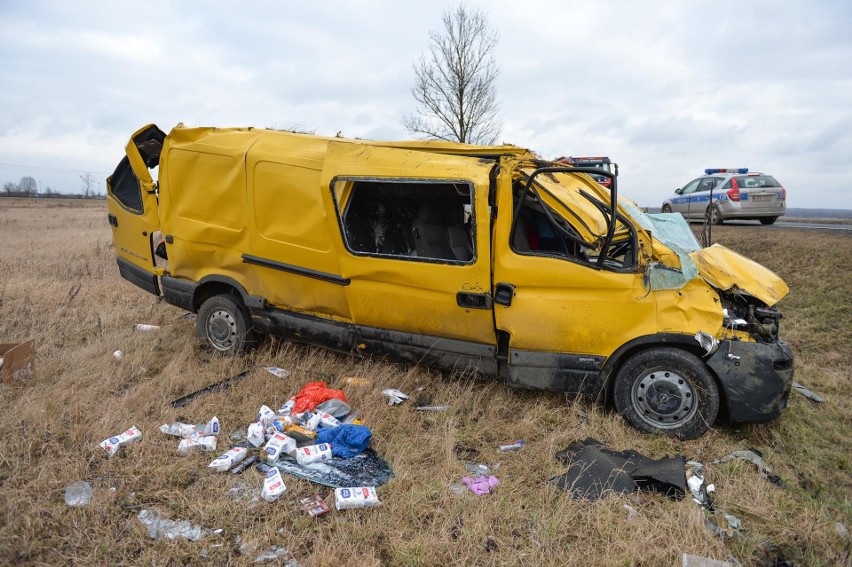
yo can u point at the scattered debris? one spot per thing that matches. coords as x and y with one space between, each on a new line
346 440
314 505
78 493
17 362
717 521
159 527
279 372
189 431
313 454
697 561
245 464
364 469
595 470
335 407
631 512
481 485
273 485
225 462
118 355
841 530
354 381
313 394
279 444
756 458
356 497
807 393
212 388
512 446
277 553
206 443
432 408
394 396
144 327
112 444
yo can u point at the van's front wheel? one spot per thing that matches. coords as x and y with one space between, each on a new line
224 324
669 391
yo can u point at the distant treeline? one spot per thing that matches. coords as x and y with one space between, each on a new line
25 195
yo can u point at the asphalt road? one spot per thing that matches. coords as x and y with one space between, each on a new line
845 228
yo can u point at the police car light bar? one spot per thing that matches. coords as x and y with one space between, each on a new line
726 170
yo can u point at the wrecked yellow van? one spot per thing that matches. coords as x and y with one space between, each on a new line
455 256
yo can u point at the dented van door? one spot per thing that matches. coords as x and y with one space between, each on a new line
132 206
414 252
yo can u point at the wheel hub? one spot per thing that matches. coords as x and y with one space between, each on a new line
221 329
664 398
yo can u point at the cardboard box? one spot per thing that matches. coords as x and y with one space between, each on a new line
17 362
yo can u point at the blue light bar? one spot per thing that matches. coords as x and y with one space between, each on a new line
726 170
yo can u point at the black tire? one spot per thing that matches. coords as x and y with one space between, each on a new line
768 220
714 215
666 209
224 325
667 390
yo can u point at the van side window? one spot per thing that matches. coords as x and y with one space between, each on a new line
410 219
124 186
535 234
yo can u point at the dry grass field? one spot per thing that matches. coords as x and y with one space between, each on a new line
59 285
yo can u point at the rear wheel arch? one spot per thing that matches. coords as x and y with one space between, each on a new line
210 286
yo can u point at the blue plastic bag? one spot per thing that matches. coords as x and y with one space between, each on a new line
346 440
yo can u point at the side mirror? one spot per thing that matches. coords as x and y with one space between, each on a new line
678 191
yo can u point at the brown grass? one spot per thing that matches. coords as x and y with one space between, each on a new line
59 285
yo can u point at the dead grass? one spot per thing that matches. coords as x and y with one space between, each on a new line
59 285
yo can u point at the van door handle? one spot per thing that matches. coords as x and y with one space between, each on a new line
473 300
503 294
112 219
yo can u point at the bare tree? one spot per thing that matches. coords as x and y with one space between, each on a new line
10 188
454 85
28 186
87 182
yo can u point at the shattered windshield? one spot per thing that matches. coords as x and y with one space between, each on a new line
673 232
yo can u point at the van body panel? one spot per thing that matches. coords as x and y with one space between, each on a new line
725 269
133 211
407 292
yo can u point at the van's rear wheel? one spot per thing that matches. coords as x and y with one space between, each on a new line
224 324
667 390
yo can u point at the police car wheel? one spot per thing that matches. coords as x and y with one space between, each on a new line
713 214
224 325
667 390
667 209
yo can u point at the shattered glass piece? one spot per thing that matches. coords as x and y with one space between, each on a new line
78 493
159 527
753 456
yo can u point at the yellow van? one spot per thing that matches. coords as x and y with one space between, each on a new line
451 255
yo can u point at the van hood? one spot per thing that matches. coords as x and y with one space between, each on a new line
726 270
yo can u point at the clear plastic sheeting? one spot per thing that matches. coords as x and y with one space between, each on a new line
159 527
78 493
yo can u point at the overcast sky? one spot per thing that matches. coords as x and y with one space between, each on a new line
664 87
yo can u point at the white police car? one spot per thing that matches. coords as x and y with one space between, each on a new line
726 194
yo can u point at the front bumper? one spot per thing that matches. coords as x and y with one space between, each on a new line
756 378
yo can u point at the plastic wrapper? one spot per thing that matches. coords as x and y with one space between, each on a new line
206 443
159 527
287 407
355 497
394 396
313 453
311 420
111 445
256 434
328 420
279 443
273 485
187 430
265 416
314 505
78 493
335 407
226 461
280 372
299 433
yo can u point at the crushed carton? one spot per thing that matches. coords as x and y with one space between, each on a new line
111 445
17 362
